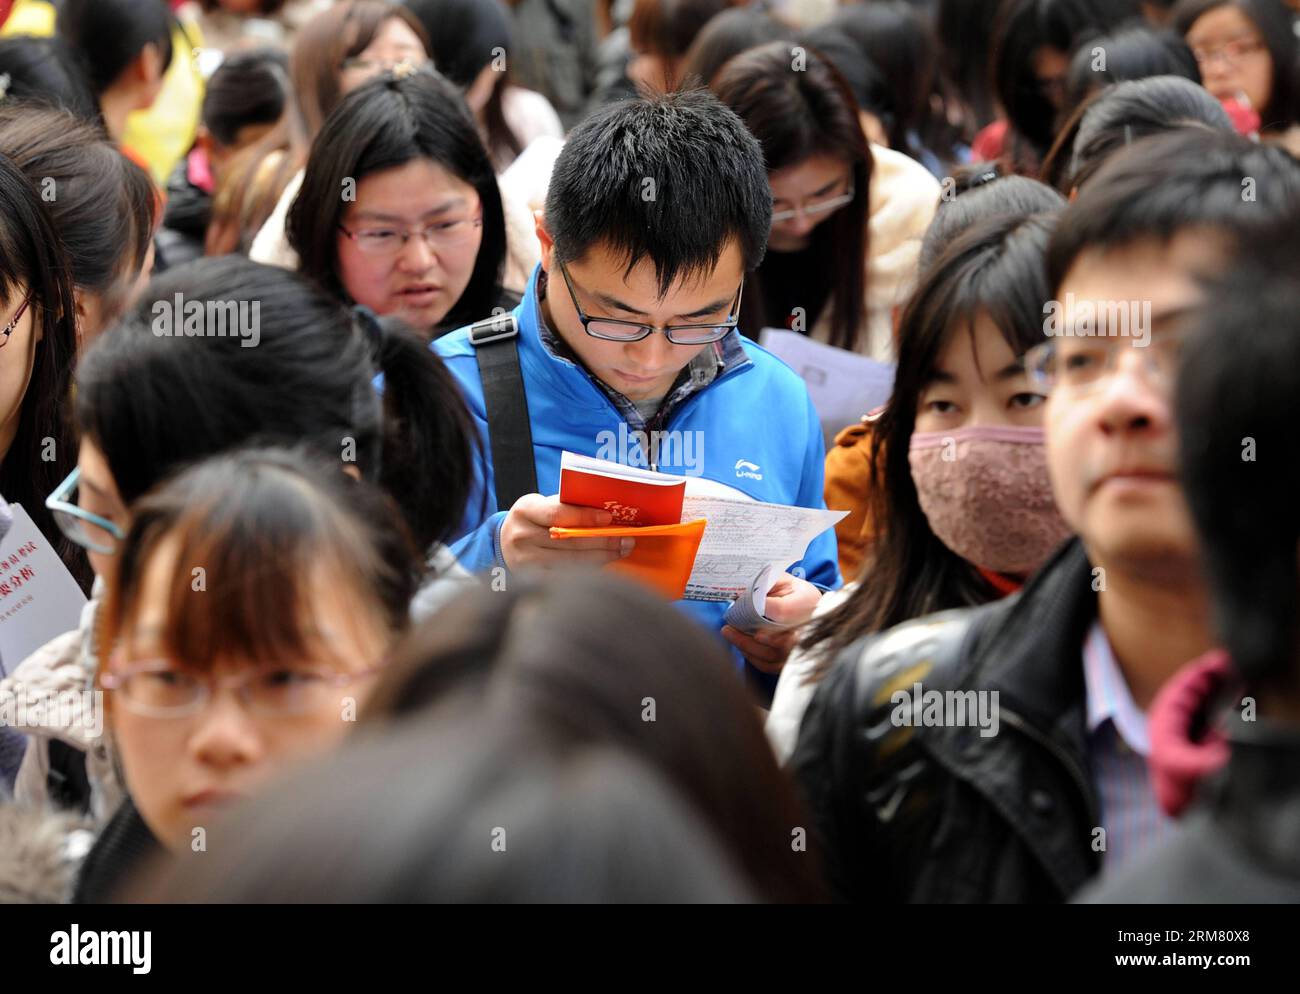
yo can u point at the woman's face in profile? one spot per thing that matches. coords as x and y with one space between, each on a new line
408 243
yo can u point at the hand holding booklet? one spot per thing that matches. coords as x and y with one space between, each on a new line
698 546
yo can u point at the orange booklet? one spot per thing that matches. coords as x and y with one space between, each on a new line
663 557
646 506
633 496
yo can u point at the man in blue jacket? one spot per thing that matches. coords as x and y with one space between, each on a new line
628 347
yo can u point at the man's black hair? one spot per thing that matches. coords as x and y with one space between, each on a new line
1166 184
1240 460
673 177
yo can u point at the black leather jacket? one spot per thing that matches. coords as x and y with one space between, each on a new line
946 814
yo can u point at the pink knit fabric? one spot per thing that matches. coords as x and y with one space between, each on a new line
987 496
1178 763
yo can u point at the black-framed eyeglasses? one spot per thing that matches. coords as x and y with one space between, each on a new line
9 328
614 330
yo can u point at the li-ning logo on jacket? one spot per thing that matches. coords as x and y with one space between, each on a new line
748 470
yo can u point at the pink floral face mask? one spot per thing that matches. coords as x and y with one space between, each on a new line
987 495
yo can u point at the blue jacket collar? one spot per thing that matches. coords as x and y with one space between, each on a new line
544 354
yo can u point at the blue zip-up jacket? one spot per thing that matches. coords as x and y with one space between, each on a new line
757 413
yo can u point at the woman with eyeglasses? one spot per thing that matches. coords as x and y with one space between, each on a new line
847 216
399 208
38 347
1249 59
255 600
958 491
148 404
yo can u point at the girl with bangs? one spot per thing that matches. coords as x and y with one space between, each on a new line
959 495
148 404
220 676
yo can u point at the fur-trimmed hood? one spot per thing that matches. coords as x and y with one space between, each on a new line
40 854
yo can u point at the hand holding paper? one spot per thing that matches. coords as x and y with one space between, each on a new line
709 548
786 604
526 535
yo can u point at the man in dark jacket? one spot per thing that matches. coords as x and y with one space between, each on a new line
914 798
1240 463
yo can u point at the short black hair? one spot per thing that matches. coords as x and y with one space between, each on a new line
1165 184
1118 115
1002 196
674 177
109 34
895 38
46 71
1134 51
1239 458
248 88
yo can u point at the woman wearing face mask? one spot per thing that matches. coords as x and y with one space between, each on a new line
305 583
418 232
960 495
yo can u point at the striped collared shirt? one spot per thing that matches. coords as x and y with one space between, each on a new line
1118 747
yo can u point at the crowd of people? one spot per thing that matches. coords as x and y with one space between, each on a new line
303 303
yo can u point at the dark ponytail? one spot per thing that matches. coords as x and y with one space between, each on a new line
425 421
154 402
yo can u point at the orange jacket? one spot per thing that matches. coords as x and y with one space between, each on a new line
847 486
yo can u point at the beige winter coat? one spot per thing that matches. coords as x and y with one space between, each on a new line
66 663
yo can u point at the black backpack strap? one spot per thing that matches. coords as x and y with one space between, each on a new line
510 434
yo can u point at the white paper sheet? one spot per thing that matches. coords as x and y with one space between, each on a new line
748 613
742 538
39 599
843 385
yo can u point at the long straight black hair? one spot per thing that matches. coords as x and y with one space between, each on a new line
1024 26
465 36
154 402
44 450
796 113
996 268
383 124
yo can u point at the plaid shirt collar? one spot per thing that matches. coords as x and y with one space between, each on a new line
712 362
